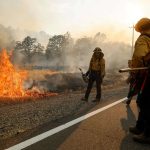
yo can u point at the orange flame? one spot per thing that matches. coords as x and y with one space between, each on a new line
11 79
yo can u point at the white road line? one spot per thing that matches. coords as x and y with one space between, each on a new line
61 127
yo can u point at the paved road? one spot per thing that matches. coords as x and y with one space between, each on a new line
107 130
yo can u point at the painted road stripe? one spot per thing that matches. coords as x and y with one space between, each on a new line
61 127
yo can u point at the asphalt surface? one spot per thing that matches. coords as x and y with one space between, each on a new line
107 130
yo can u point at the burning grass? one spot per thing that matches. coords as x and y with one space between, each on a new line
33 96
12 79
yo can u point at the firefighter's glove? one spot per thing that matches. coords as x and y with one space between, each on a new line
87 73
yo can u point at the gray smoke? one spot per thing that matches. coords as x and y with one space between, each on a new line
116 54
7 39
77 53
9 35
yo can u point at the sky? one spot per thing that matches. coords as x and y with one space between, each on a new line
79 17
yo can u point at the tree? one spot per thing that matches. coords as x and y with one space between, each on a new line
29 47
57 47
82 48
38 49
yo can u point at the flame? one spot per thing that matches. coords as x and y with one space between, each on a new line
11 79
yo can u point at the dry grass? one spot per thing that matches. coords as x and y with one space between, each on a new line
40 74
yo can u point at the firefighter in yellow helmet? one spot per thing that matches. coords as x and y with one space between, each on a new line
96 73
141 58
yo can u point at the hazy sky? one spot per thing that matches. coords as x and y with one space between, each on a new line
80 17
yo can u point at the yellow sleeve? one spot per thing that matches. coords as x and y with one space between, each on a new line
141 49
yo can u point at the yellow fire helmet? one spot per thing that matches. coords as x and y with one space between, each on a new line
142 25
97 49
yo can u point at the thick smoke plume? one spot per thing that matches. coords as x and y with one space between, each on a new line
76 53
73 54
7 39
10 35
116 53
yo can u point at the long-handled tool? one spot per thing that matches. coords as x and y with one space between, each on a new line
133 69
84 77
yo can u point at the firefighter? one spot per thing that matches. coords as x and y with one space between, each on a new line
96 72
142 48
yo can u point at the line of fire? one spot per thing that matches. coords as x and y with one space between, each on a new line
12 81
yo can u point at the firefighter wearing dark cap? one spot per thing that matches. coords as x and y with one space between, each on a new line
96 74
140 58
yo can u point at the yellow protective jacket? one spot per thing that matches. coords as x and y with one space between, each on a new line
97 64
142 48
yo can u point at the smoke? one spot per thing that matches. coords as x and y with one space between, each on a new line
6 38
77 52
10 35
116 54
